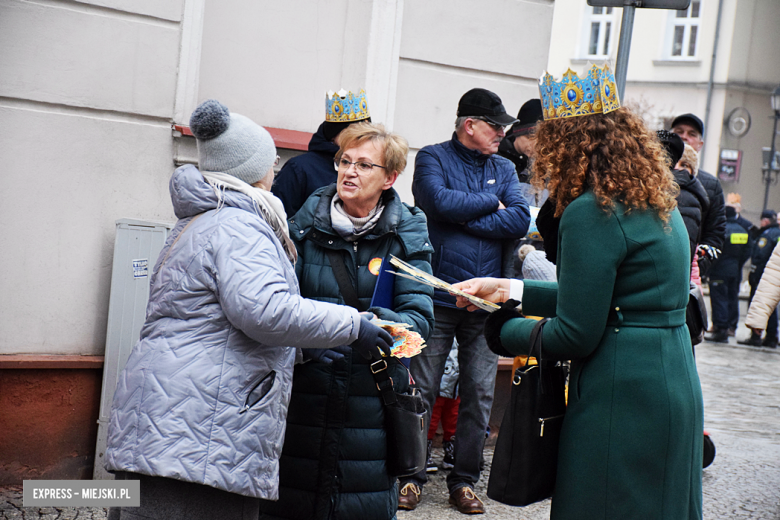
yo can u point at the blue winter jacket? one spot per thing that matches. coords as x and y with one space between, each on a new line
203 397
303 175
460 189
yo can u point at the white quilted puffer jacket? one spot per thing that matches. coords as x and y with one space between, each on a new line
204 395
767 294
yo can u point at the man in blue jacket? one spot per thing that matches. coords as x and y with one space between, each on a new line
304 174
474 205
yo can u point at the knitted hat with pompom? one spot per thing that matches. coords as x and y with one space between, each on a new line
231 143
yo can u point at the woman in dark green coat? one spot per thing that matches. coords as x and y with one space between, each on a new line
333 459
631 445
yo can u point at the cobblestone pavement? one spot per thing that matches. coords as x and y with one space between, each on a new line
741 388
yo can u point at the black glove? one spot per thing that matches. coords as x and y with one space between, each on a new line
369 338
707 255
709 251
495 321
322 355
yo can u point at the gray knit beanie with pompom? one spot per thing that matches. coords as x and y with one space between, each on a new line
231 143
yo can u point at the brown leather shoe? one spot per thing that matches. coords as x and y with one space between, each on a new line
409 496
467 501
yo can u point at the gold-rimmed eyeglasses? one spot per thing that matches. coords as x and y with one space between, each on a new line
361 166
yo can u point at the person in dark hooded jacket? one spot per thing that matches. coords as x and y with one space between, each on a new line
303 175
692 200
713 230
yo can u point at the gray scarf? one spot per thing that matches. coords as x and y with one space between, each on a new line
352 228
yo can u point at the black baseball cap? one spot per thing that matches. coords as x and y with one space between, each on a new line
479 102
768 213
527 118
689 119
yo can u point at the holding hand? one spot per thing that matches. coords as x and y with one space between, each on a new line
371 339
494 290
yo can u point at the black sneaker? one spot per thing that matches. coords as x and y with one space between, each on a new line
430 467
448 462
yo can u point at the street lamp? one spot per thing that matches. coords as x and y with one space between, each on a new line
772 166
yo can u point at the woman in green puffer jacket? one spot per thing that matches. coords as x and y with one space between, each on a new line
333 459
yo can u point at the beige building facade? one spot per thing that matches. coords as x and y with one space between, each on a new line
675 67
89 91
94 95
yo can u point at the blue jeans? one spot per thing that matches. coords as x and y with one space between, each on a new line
477 382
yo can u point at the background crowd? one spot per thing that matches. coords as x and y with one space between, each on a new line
251 392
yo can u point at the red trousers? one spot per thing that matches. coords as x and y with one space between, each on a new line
446 410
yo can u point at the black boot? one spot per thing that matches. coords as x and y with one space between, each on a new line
769 341
718 336
754 340
430 467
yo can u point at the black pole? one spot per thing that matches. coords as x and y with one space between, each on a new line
770 169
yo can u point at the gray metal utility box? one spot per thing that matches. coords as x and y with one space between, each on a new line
137 246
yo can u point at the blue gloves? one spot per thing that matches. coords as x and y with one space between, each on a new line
369 338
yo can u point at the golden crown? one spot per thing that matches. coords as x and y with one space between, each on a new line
573 96
346 107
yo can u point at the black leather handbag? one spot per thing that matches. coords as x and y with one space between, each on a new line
696 315
404 424
526 454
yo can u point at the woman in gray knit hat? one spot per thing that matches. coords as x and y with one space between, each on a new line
200 408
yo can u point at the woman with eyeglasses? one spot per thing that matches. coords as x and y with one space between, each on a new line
334 453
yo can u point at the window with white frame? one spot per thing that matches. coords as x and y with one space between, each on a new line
683 33
598 32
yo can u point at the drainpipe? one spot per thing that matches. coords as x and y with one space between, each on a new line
711 82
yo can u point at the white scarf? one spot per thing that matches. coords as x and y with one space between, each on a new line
267 206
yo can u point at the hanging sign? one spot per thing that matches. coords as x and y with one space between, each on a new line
728 165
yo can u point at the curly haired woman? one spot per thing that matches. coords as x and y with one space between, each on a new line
631 444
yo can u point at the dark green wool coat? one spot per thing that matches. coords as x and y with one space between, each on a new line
631 445
333 459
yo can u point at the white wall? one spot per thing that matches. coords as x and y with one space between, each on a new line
86 96
274 61
447 50
89 89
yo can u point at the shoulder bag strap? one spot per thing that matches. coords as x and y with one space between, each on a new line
384 383
342 278
536 347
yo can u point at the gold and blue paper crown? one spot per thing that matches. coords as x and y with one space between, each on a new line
573 96
346 107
